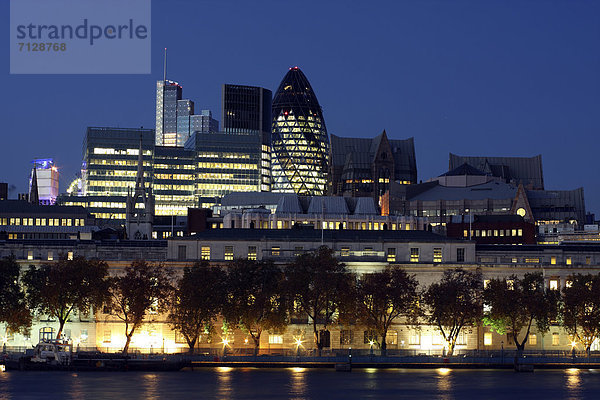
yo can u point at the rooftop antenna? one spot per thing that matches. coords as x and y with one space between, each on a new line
165 67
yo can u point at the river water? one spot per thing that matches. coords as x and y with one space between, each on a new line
300 383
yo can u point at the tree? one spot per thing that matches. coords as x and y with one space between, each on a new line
197 301
318 283
383 297
13 308
453 303
255 300
580 308
513 304
59 289
141 289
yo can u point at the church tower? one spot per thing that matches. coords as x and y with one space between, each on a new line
139 220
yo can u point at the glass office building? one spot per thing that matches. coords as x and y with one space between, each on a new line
168 94
246 110
299 141
173 177
110 158
225 163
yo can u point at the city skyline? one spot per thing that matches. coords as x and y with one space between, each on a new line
532 88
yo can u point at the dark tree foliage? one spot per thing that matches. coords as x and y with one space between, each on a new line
142 288
580 308
514 304
454 303
59 289
385 296
255 300
13 308
318 283
197 301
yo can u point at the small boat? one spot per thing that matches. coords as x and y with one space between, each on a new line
53 352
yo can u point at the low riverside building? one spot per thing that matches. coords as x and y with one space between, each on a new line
421 253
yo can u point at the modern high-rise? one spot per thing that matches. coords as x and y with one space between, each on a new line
168 94
110 160
246 110
175 117
299 141
225 163
173 178
47 180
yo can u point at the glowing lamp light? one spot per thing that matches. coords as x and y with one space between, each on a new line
2 368
443 371
298 342
225 342
573 344
371 343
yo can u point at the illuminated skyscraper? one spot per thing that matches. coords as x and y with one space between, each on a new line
299 141
168 93
47 180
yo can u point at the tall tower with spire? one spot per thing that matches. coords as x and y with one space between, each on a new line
139 220
34 195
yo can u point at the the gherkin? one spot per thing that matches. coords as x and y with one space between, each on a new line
300 145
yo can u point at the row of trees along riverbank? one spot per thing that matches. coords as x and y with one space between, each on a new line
255 296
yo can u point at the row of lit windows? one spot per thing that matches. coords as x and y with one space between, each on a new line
173 187
174 166
174 176
103 161
128 152
43 221
493 232
235 156
237 166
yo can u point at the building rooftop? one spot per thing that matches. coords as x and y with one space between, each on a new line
304 234
490 190
23 207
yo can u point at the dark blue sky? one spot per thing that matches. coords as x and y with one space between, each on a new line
498 78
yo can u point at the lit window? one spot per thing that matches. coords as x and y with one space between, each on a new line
569 261
345 251
519 232
228 253
50 256
69 255
205 255
298 251
487 339
465 233
532 339
30 255
555 339
486 282
588 260
414 254
391 254
275 250
553 260
107 336
275 339
414 338
553 284
437 254
251 252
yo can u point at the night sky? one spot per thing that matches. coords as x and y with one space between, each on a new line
495 78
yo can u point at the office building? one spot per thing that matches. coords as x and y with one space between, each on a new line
365 167
514 170
247 110
173 180
168 94
225 163
299 141
110 160
47 176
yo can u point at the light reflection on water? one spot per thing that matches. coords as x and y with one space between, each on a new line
573 383
298 383
444 383
303 384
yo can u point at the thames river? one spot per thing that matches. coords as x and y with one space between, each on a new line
300 383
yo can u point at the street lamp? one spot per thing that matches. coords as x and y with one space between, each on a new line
502 350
